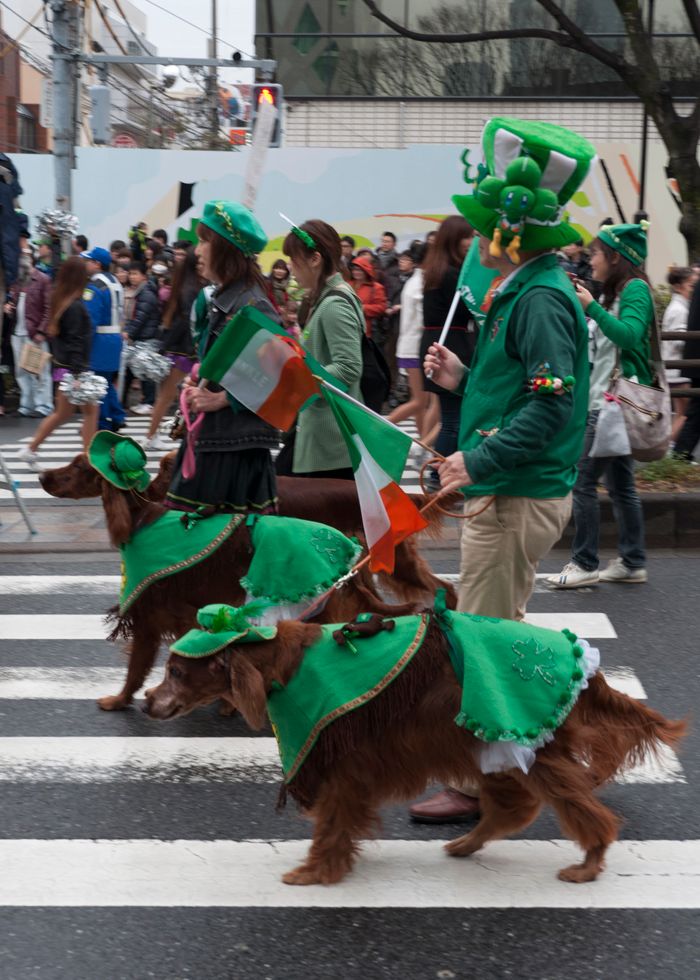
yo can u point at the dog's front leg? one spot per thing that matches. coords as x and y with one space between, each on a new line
339 822
142 656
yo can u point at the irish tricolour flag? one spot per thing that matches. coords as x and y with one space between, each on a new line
261 366
378 451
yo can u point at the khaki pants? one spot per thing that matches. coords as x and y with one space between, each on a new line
501 548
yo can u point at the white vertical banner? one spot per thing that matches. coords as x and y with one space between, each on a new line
262 134
46 107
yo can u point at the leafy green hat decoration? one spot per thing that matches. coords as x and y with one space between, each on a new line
222 625
300 233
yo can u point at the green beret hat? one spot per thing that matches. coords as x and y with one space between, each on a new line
221 626
531 169
236 224
629 240
120 460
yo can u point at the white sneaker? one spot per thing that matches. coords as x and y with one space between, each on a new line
142 409
617 571
27 455
158 444
572 576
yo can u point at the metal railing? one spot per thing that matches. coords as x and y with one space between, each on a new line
683 362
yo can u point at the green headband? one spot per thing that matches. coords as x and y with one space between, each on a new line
300 233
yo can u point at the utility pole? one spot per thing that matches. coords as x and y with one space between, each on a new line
214 83
63 75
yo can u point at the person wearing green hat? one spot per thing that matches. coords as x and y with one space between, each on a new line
525 394
620 327
233 467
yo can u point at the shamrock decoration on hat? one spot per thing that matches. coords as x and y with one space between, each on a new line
221 626
120 460
532 170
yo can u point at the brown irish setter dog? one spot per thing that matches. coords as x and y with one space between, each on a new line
393 746
168 608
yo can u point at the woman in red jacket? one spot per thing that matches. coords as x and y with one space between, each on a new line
371 293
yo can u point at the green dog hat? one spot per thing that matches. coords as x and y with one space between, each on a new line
222 625
531 170
236 224
629 240
120 460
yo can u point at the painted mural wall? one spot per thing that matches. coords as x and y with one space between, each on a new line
361 192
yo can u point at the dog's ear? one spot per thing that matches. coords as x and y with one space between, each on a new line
158 487
117 513
248 690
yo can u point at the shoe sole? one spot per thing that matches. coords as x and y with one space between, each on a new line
625 581
578 585
437 820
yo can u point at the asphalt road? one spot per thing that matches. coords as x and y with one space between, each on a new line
129 855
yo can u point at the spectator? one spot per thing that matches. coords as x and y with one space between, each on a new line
141 325
79 244
115 249
441 268
347 254
277 283
290 318
45 261
177 343
394 284
621 327
408 347
430 238
180 249
370 292
575 262
160 236
689 435
104 299
10 227
681 281
137 240
30 298
387 256
70 332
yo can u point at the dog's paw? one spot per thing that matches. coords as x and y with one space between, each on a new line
302 876
114 702
462 847
579 873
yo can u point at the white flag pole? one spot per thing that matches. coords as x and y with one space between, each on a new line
264 124
447 324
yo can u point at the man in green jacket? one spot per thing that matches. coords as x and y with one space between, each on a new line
525 396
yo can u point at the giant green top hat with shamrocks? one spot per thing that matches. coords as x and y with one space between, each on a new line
531 170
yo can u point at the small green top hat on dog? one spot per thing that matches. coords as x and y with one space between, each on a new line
120 460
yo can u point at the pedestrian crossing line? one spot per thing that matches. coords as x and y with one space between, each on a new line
59 584
648 874
87 626
95 759
90 683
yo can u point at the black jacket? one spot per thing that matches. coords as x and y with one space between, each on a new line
461 337
71 348
10 221
234 428
692 347
177 338
145 321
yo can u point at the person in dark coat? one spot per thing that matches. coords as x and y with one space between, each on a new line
689 435
70 336
141 325
10 227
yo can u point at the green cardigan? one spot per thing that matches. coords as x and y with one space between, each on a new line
333 335
630 329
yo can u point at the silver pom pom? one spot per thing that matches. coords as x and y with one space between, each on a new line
145 361
58 224
83 389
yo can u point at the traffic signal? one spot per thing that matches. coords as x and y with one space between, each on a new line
272 94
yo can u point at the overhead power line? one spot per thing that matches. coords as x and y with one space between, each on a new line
202 30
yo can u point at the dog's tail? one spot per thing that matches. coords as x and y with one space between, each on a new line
618 731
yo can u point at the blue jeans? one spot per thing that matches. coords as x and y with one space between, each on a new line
618 472
450 410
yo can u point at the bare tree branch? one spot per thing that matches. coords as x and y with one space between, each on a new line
504 35
693 12
582 42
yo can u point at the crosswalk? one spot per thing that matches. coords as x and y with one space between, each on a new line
145 814
63 444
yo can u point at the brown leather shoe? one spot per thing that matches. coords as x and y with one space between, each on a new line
448 806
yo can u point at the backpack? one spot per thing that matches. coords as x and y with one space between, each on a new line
375 381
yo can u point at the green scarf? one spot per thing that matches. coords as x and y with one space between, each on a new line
296 560
174 542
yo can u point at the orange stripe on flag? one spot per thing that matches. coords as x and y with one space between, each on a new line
296 384
405 519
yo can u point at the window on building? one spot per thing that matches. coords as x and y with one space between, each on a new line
26 129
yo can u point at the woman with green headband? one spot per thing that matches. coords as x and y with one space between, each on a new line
233 469
620 328
333 335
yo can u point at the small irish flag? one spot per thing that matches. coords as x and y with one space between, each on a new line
261 366
378 451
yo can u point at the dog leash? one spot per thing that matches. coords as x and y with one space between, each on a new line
192 427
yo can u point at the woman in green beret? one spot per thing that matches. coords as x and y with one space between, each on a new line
234 472
333 335
620 328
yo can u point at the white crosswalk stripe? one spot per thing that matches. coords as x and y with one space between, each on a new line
391 873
